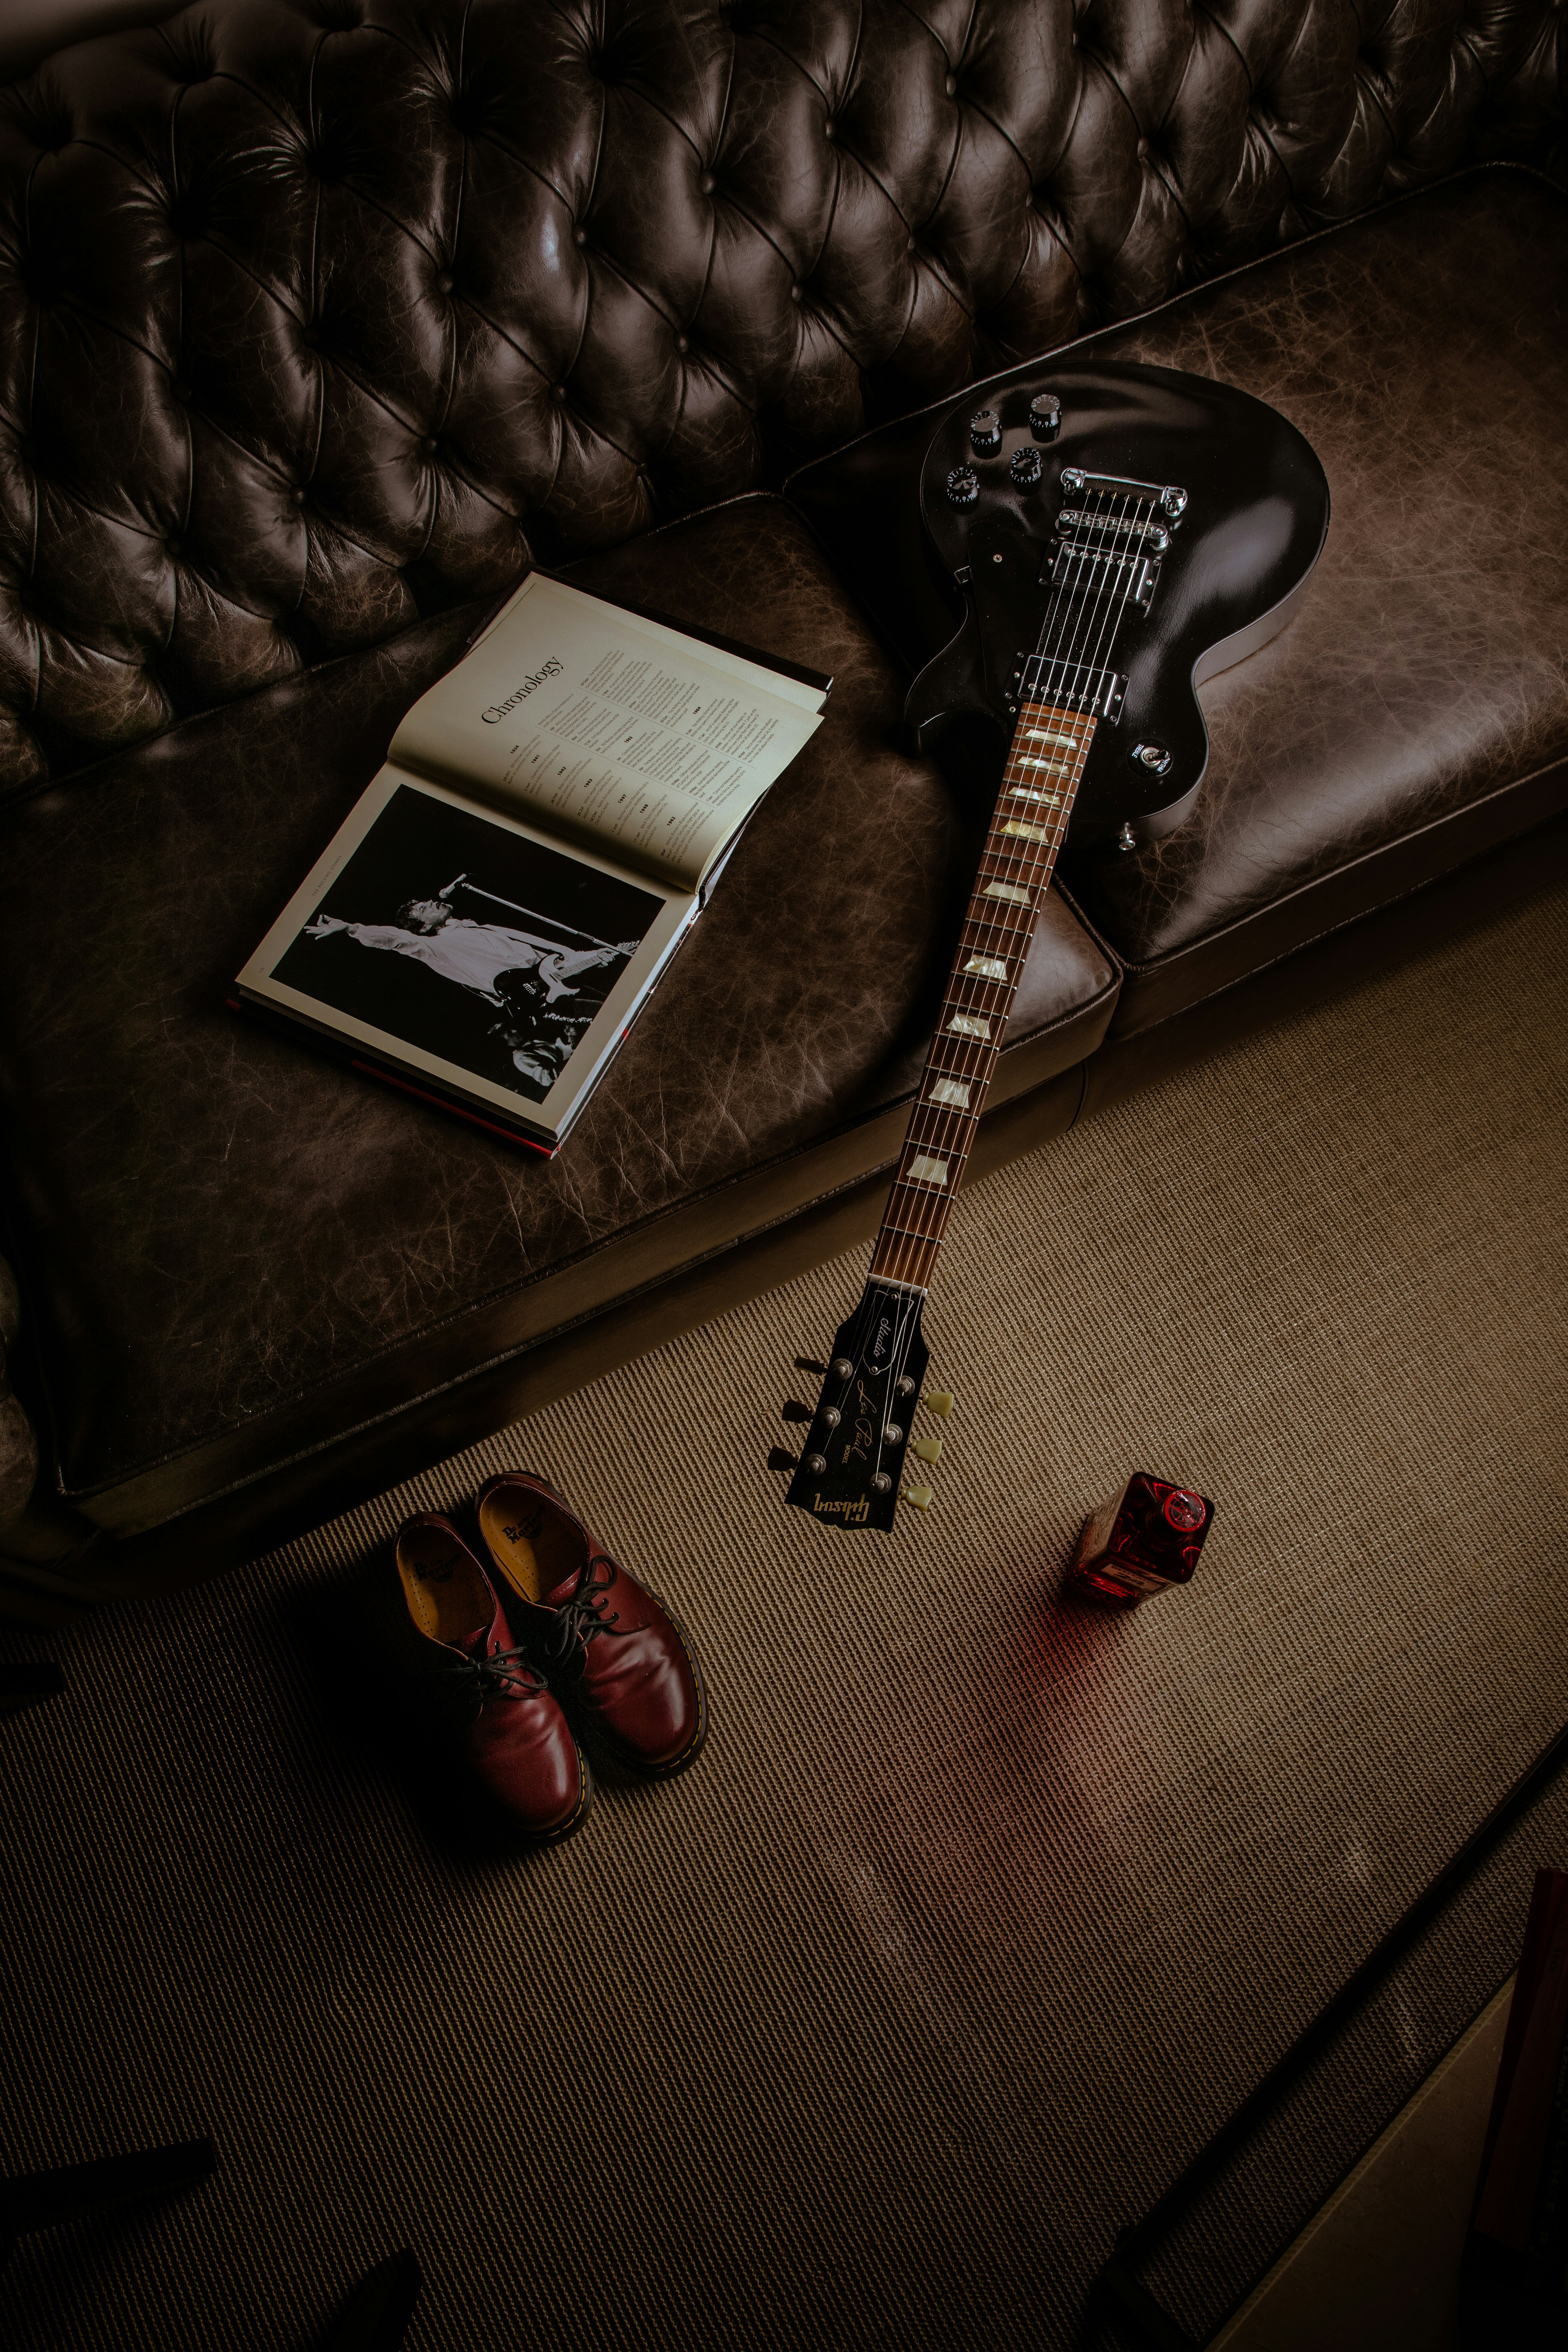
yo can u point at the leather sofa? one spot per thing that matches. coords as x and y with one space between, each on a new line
324 317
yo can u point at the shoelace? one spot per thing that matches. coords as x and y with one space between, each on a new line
579 1619
507 1673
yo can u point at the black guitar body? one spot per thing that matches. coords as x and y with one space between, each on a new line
1238 554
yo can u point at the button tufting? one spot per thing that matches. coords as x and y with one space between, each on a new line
174 547
182 392
707 183
681 344
444 283
298 495
557 391
797 293
1142 149
950 85
829 128
579 237
429 445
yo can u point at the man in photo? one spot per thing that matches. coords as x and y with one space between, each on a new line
536 983
476 955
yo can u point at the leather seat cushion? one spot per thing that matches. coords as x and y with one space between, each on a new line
1417 709
237 1252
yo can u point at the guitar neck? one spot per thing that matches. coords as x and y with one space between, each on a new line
1044 766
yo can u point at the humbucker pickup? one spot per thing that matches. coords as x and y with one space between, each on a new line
1086 571
1073 523
1070 686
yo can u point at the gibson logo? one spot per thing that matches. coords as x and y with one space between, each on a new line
852 1511
498 711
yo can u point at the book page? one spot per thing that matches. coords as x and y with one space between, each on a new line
610 730
464 946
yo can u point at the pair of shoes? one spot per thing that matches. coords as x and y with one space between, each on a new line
547 1610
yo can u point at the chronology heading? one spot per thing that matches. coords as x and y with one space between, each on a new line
498 711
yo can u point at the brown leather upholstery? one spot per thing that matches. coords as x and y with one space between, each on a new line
237 1252
318 315
1415 711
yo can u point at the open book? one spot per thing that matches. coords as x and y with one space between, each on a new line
489 919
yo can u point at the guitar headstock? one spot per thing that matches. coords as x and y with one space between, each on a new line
852 1462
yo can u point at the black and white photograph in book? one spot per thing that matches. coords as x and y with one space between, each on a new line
469 941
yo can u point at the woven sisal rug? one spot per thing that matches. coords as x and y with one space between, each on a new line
982 1911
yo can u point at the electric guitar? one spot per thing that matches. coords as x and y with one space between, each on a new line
1117 538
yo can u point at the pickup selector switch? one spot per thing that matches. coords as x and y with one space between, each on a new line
1026 466
1044 417
985 432
963 486
1154 757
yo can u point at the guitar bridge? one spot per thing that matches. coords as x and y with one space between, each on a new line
1069 685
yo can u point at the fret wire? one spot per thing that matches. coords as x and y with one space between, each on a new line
917 1214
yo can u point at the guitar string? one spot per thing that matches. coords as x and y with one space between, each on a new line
911 1243
1088 648
1090 638
1058 617
1074 633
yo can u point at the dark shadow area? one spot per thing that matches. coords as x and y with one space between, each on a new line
374 2315
27 1684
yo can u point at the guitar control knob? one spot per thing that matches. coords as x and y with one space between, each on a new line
1154 757
842 1367
963 486
985 432
814 1464
1026 466
1044 417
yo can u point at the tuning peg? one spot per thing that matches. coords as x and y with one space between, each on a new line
810 1364
781 1459
940 1401
927 1449
793 1411
919 1495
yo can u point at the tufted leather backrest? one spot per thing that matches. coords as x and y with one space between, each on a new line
318 314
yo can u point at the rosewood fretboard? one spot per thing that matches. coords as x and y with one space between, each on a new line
1044 766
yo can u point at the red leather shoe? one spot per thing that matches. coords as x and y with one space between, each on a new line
519 1741
585 1618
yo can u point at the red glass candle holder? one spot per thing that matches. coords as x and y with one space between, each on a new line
1146 1538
